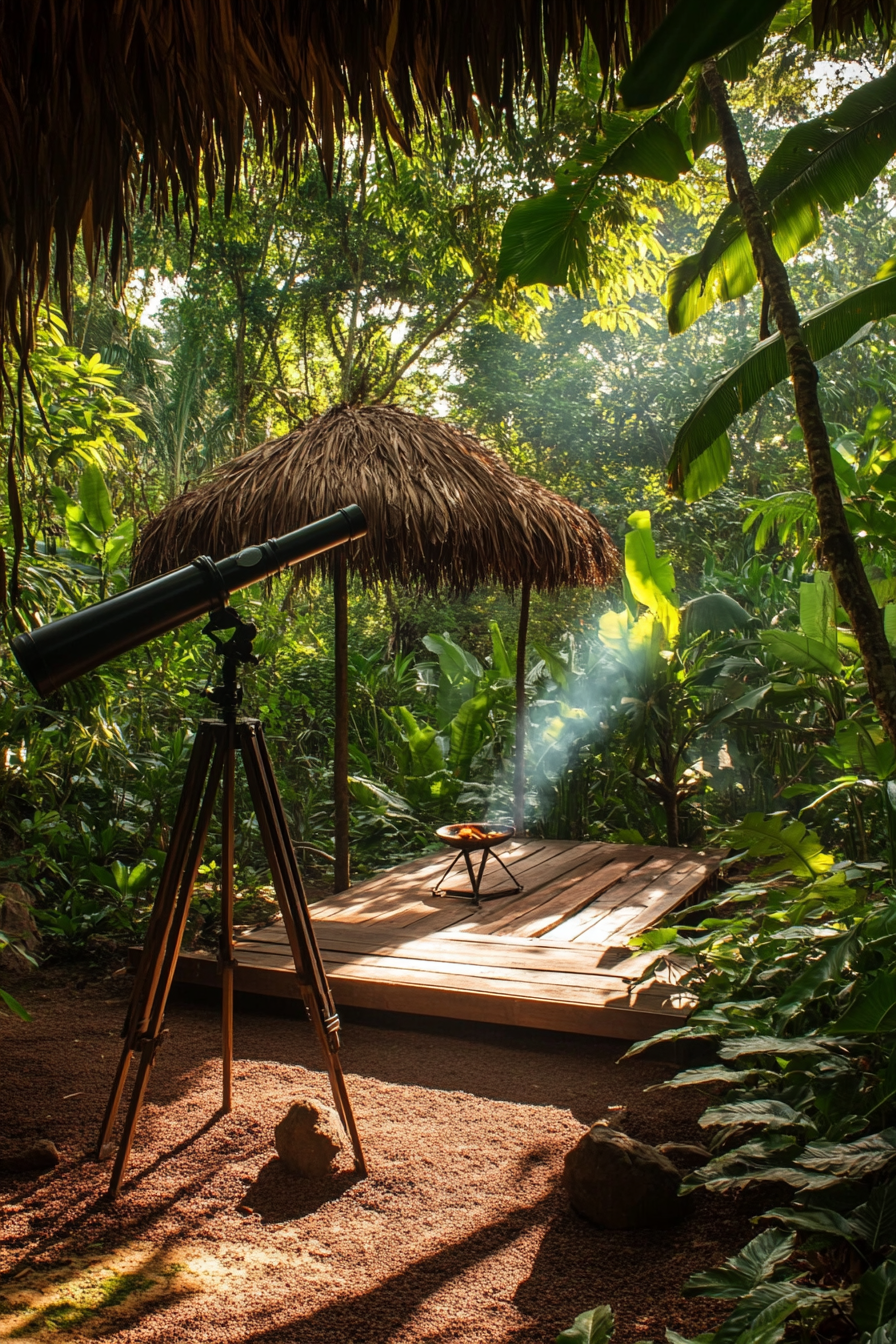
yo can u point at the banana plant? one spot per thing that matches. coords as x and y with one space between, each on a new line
661 656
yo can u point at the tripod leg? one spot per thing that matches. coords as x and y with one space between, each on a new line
225 953
153 1035
294 907
159 928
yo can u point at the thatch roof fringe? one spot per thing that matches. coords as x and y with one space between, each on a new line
442 508
106 105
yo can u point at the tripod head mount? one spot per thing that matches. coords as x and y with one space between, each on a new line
228 695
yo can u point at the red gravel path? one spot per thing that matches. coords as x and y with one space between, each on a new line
460 1232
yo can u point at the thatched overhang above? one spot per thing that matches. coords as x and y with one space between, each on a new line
103 106
442 508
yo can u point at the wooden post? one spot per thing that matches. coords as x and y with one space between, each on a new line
341 876
225 953
519 759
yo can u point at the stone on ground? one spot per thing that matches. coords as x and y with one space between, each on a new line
38 1157
308 1138
615 1181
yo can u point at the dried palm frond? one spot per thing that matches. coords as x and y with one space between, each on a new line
107 106
441 507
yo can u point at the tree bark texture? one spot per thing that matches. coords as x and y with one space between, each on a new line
342 875
837 543
519 754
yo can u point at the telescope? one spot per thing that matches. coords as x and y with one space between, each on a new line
57 653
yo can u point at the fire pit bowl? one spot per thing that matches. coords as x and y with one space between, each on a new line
468 838
488 836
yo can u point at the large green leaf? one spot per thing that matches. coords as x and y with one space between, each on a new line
500 657
815 1220
768 1112
546 240
872 1008
865 748
814 977
801 651
875 1302
825 330
650 576
423 744
468 732
787 842
592 1327
692 32
737 1047
755 1264
862 1157
829 161
712 614
818 609
95 500
875 1220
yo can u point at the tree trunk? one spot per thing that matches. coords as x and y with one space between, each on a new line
341 876
837 543
519 756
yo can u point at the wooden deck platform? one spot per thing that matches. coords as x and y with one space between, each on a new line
553 956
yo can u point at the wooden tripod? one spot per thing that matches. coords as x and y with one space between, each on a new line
212 760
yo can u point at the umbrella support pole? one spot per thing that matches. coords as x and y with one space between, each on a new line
212 760
476 896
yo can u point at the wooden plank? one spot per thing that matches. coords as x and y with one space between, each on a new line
522 954
358 904
526 867
644 910
619 1021
525 980
625 892
494 912
568 896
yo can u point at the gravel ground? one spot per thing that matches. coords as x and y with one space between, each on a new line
461 1231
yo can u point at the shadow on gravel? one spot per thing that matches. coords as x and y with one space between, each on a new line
376 1317
279 1197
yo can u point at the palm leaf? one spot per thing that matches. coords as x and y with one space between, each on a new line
546 240
829 160
824 330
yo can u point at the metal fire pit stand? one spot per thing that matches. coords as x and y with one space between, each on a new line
475 897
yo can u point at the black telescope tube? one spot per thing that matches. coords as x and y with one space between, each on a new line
65 649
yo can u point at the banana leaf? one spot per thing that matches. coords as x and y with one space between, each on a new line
829 161
704 433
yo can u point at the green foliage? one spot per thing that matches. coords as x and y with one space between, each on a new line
701 456
687 36
802 982
591 1327
829 160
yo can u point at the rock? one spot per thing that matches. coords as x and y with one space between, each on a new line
615 1181
685 1156
17 922
38 1157
308 1138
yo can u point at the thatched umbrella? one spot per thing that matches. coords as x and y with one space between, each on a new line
442 509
